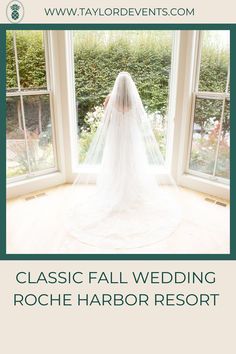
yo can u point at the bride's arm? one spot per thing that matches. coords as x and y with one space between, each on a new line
105 103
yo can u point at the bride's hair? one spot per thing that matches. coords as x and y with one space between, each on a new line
121 92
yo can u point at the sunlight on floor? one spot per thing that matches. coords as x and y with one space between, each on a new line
36 224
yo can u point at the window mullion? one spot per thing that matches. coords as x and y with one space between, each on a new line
198 61
196 71
16 61
212 95
228 80
21 103
28 93
219 138
46 54
51 89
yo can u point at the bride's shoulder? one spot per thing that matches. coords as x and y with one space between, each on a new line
106 100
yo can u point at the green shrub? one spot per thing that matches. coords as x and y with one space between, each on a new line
31 59
98 58
146 56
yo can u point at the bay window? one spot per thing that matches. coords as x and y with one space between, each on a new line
29 121
57 82
210 134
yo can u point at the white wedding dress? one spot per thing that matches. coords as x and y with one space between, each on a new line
129 206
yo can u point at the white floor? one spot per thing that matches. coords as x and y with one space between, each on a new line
37 225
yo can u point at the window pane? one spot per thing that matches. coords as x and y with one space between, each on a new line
223 161
39 132
17 163
205 134
31 59
214 61
98 58
11 80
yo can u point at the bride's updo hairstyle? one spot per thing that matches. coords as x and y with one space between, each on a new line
121 92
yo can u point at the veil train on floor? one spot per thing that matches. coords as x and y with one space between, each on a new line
123 196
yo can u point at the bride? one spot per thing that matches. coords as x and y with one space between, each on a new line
133 201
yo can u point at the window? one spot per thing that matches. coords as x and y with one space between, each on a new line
30 137
210 137
98 58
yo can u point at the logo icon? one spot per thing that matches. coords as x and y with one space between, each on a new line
15 11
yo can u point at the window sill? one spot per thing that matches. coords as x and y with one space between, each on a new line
23 187
203 185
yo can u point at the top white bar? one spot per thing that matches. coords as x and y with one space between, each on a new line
122 11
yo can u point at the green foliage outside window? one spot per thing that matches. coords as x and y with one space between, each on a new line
98 58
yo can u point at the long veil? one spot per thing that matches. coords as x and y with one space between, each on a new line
123 196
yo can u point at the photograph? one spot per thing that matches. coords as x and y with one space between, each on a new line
118 141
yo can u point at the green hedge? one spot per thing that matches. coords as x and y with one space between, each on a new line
146 55
98 58
97 65
31 60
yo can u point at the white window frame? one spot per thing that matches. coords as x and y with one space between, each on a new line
206 95
22 185
61 65
188 64
21 93
75 167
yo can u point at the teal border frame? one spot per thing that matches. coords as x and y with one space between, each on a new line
3 254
